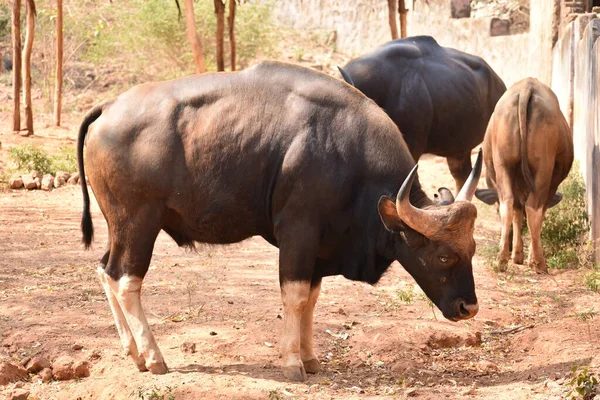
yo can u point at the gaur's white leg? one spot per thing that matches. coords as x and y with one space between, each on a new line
128 293
506 215
517 254
295 296
121 323
307 353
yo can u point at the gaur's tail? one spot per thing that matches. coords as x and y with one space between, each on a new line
87 227
524 99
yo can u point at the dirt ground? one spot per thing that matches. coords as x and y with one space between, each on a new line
226 301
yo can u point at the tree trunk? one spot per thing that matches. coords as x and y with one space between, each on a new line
403 12
59 63
16 41
392 9
195 41
230 23
220 11
27 66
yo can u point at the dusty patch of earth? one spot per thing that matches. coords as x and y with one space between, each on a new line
226 302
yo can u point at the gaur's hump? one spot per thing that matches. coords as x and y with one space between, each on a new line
412 47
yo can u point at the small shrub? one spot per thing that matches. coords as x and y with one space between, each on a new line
405 296
564 259
30 158
583 385
65 160
566 225
153 393
592 281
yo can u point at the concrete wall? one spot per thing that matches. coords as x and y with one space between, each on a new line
362 25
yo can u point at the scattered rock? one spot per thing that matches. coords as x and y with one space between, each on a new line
28 182
24 361
96 355
61 178
460 8
36 364
47 182
213 333
74 179
81 369
438 340
19 394
188 347
38 182
46 374
16 182
77 346
35 174
11 373
487 366
62 368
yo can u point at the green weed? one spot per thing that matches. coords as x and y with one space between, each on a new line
32 158
582 386
592 281
153 393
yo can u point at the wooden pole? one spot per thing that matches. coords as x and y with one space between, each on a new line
195 41
392 9
403 13
220 11
27 66
16 41
59 63
231 22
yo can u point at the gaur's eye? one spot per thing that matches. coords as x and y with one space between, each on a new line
443 259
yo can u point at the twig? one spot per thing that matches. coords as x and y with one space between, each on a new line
512 330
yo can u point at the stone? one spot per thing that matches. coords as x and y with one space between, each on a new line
46 374
35 174
19 394
47 182
38 182
28 182
61 178
499 27
73 179
96 355
81 369
36 364
77 346
445 339
11 373
16 182
188 347
487 366
62 368
460 8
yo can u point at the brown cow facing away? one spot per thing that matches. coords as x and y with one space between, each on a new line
528 152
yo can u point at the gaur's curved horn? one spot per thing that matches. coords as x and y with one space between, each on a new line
468 189
422 221
346 76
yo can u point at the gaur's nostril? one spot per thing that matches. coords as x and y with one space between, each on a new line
467 310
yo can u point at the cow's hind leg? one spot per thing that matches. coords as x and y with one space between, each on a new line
535 216
460 168
125 334
517 248
307 352
132 241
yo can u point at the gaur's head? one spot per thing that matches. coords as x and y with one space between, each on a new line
435 244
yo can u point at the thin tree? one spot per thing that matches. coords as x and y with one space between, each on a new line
220 12
195 41
27 66
16 41
392 10
59 63
230 25
403 11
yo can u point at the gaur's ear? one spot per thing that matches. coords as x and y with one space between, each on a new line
389 215
555 200
488 196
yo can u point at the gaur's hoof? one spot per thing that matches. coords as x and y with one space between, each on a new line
312 366
159 368
518 258
295 373
141 364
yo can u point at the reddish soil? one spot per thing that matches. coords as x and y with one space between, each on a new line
226 301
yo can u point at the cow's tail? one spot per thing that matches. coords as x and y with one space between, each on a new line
524 99
87 227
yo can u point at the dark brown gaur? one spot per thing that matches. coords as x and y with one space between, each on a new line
290 154
528 152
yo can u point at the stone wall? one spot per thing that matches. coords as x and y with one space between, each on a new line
362 25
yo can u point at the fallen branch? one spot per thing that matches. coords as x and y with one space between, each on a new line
512 330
